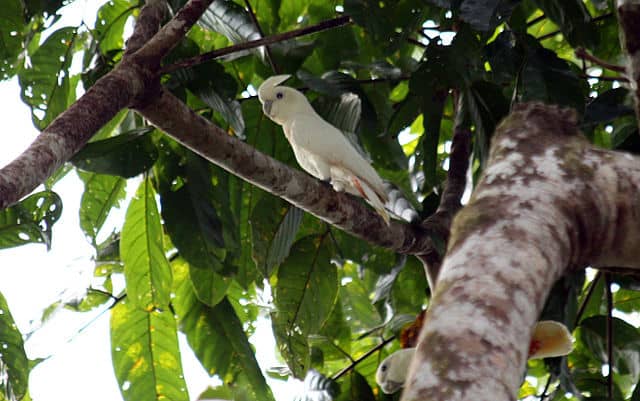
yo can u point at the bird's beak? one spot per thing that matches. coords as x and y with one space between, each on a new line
390 387
266 107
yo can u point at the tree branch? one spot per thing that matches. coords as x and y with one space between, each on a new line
130 82
329 24
267 51
439 223
173 31
584 55
147 25
629 18
548 201
340 209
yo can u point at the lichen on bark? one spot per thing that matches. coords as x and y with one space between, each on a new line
547 202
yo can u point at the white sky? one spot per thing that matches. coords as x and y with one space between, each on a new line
79 365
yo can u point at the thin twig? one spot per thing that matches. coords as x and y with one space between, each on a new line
536 20
548 35
324 25
607 288
270 59
416 42
362 358
583 54
586 299
546 388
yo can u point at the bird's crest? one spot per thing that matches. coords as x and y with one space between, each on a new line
271 82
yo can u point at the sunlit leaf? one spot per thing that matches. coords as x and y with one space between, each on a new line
14 365
146 357
146 269
31 220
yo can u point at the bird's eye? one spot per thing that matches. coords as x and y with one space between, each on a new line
279 95
383 368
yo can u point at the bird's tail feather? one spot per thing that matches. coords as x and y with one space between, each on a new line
372 197
550 339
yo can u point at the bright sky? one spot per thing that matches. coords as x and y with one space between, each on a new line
77 347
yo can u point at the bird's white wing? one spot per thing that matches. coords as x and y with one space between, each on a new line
326 142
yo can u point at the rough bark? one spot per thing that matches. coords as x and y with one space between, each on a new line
629 18
548 202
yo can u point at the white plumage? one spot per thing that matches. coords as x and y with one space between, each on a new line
320 148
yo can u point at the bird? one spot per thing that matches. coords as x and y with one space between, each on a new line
321 149
549 339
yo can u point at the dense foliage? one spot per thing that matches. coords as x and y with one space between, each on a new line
200 249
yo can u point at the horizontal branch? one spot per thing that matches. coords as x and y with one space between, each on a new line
280 37
318 198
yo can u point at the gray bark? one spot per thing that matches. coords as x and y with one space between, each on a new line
548 202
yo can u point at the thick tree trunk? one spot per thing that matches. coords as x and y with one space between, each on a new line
548 202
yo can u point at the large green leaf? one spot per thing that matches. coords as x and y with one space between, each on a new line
110 23
487 107
546 77
626 343
146 268
101 194
355 387
304 297
14 365
146 357
274 224
388 23
46 85
233 21
11 37
125 155
573 19
216 336
31 220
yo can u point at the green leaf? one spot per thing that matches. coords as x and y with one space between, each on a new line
233 21
11 37
304 297
15 366
125 155
101 194
45 83
626 343
146 357
355 387
110 22
547 78
31 220
388 23
194 228
212 84
608 106
487 106
146 270
573 19
274 224
216 336
480 14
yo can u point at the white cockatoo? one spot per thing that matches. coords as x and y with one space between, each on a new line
549 339
320 148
